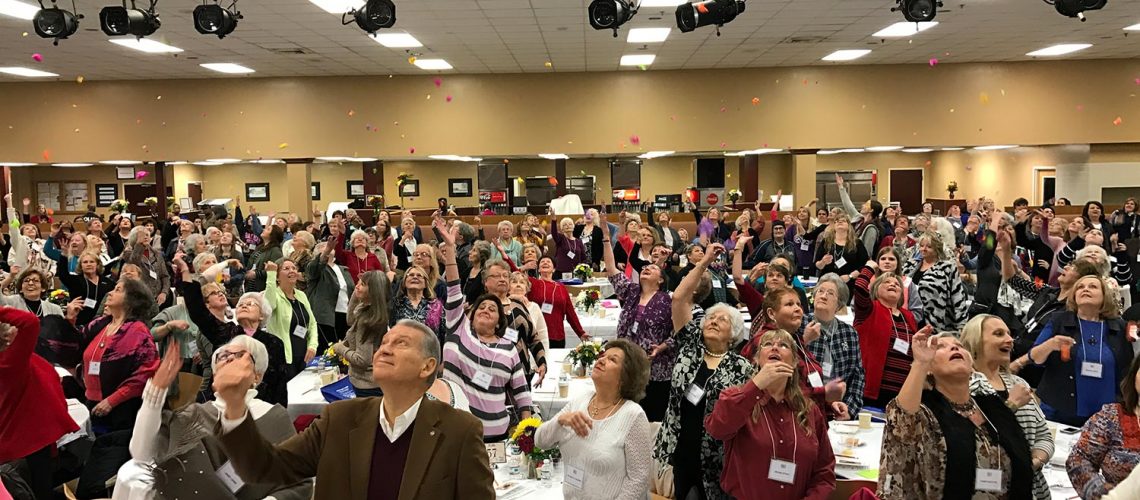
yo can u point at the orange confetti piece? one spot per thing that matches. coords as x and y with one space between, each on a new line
351 112
46 155
79 79
984 98
755 101
1118 121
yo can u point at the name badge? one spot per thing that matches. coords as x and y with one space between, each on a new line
570 254
482 379
805 246
300 331
230 477
988 480
511 335
695 394
716 284
814 379
826 366
633 329
547 308
1090 369
89 303
841 262
902 346
93 368
575 477
782 471
153 275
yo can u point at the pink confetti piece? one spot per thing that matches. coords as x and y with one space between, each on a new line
723 144
37 57
1080 107
635 140
437 81
448 98
1118 121
723 109
140 174
412 150
933 62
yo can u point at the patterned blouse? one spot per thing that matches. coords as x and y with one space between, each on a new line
1108 450
733 370
428 312
648 325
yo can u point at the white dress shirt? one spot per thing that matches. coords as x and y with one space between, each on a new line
394 431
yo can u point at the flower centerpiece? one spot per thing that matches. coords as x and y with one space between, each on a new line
331 358
523 438
59 297
583 272
584 355
733 195
119 206
952 188
588 299
402 179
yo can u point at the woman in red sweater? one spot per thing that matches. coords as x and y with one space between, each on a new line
32 407
551 297
775 438
885 329
358 260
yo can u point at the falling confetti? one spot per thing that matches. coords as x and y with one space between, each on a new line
79 79
77 131
1118 121
412 150
37 57
437 81
635 140
805 81
448 98
283 145
928 163
933 62
24 33
159 98
47 155
351 113
1137 81
1080 107
412 60
642 67
673 118
723 144
144 147
429 97
723 109
984 98
755 101
951 110
553 181
138 121
396 124
140 174
368 127
548 64
1003 92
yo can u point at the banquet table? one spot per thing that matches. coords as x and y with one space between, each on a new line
546 396
305 396
82 417
602 285
861 462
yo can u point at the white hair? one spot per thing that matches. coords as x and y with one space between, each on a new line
1100 261
262 302
251 345
734 316
946 232
505 223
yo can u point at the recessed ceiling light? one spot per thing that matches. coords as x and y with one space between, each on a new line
16 164
553 156
19 10
71 165
28 72
208 163
432 64
338 6
223 160
231 68
655 154
826 152
396 40
846 55
884 148
917 150
453 158
267 161
1059 50
662 3
146 45
647 35
903 28
637 59
1134 27
953 149
994 147
121 162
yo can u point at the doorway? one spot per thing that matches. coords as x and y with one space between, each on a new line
136 193
907 189
1044 184
194 190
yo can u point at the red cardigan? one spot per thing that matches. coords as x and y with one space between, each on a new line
542 292
874 323
356 266
33 412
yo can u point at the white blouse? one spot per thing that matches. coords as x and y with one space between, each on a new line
614 458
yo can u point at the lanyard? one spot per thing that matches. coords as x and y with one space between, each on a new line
1100 343
299 310
545 288
795 436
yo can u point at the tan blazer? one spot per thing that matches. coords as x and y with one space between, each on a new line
446 455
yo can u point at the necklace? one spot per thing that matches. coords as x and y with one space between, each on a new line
965 409
715 354
595 410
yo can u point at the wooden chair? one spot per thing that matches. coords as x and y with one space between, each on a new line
844 488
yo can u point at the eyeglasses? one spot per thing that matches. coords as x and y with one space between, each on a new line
213 293
31 280
826 292
498 276
421 254
780 345
224 356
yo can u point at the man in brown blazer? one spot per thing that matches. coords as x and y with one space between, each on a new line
401 446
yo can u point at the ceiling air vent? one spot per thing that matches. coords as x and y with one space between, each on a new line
294 50
802 39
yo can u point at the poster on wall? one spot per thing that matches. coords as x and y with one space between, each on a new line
105 194
125 173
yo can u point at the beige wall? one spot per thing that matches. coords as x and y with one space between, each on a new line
521 115
24 180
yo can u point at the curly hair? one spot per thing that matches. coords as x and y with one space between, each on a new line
138 301
501 326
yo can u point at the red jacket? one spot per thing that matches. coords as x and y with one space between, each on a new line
356 266
874 323
33 412
562 309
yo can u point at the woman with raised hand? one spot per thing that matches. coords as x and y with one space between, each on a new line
292 319
27 244
149 261
604 437
890 260
646 320
416 300
368 322
567 249
549 298
476 356
330 287
885 327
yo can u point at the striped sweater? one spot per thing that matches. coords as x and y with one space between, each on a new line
465 357
1031 421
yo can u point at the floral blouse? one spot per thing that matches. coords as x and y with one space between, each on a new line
428 312
648 325
733 370
1108 450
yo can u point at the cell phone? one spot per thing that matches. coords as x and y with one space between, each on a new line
1069 430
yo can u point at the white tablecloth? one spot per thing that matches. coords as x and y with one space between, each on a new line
82 417
508 488
305 395
546 396
869 453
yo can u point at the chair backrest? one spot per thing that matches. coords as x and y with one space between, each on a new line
846 488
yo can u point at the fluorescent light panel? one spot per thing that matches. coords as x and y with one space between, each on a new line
647 35
846 54
230 68
15 164
903 28
953 149
338 6
18 10
396 40
995 147
453 158
637 59
28 72
121 162
432 64
662 3
145 45
553 156
884 148
267 161
208 163
1059 50
917 150
655 154
71 165
1134 27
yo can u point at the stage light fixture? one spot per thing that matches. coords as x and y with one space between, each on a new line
691 16
375 15
119 20
213 19
918 11
1076 8
611 14
54 22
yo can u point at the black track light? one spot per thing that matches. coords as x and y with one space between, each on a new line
1077 8
54 22
120 21
213 19
691 16
611 14
375 15
918 11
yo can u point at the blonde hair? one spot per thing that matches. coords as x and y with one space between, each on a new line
972 335
829 233
1110 304
433 266
95 256
793 393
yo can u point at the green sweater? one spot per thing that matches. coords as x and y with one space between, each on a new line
282 315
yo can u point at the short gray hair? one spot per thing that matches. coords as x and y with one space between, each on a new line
429 344
840 287
358 234
467 232
1100 261
192 241
200 258
734 316
483 249
133 236
505 223
255 349
262 302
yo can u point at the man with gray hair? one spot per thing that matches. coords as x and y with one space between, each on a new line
401 445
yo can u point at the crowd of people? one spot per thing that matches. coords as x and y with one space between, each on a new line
970 333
